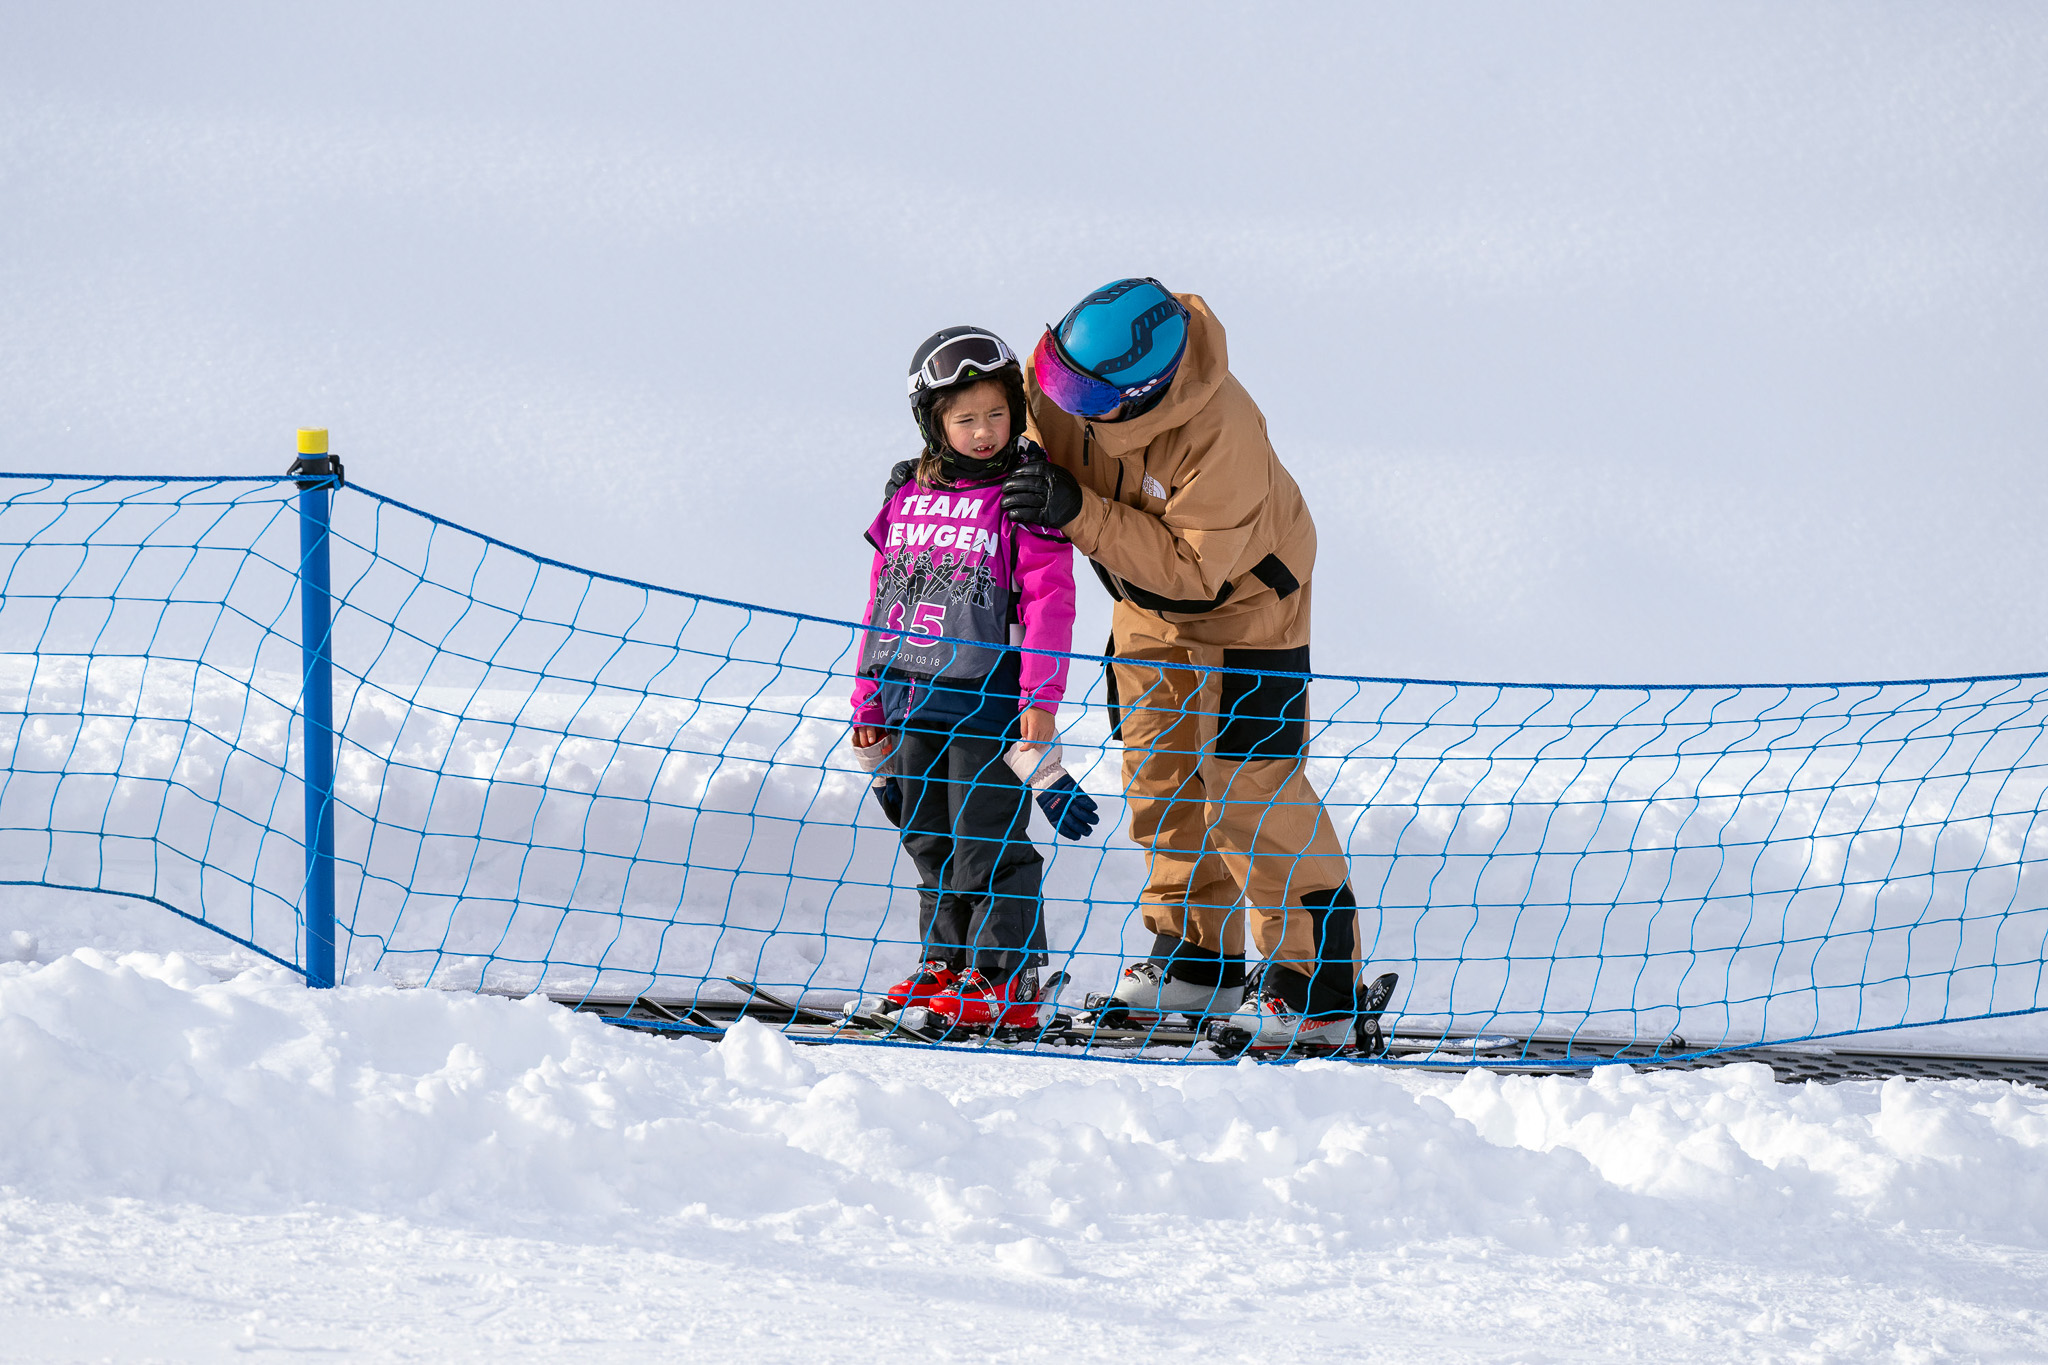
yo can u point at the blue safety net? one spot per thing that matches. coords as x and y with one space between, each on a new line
551 779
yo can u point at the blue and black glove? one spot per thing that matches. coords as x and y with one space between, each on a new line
889 797
1071 810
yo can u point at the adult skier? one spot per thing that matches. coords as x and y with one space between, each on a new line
1160 472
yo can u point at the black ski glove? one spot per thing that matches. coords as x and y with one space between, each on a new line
903 472
1071 810
889 797
1042 494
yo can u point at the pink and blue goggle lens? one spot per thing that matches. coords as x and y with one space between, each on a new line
1072 388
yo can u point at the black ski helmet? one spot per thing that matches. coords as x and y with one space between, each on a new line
956 356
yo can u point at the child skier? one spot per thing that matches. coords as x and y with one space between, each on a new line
959 730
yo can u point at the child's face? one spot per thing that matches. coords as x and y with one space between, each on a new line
978 423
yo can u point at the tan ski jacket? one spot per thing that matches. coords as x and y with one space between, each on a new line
1186 512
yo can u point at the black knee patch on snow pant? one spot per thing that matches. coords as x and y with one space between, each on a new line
1109 696
1334 914
1261 716
1191 962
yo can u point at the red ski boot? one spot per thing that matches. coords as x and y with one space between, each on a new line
972 1002
921 987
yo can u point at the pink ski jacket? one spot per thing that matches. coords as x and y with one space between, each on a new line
954 579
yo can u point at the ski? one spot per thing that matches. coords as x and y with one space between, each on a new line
1089 1030
798 1014
1112 1015
1085 1031
644 1013
1079 1034
892 1026
646 1010
803 1020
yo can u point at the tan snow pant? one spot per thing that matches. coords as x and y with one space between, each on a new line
1218 795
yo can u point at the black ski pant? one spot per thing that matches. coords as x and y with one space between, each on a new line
967 827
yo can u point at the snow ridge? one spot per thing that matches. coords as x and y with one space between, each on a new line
239 1101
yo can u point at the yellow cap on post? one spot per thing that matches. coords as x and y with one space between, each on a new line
312 440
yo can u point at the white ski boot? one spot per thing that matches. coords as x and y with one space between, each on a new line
1267 1026
1146 992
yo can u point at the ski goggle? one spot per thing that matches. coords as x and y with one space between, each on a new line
1079 390
964 357
1068 385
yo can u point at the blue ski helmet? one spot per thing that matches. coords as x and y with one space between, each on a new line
1131 333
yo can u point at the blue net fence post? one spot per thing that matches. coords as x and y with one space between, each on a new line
316 621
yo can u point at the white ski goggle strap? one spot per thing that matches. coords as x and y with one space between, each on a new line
962 357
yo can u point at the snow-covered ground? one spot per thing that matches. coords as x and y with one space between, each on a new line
196 1168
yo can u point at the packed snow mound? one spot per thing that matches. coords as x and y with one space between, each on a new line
149 1077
